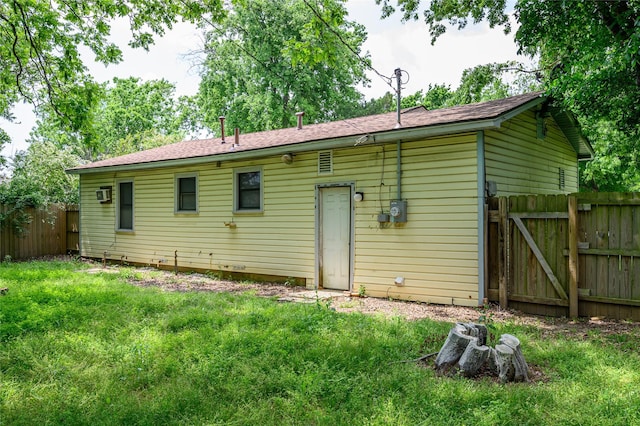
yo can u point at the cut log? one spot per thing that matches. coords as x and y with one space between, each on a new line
466 350
476 330
491 365
473 358
504 362
453 348
521 369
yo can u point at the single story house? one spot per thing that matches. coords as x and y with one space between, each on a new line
390 204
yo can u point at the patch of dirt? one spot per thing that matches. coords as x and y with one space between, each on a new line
580 328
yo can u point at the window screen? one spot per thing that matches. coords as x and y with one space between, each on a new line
125 205
248 185
187 194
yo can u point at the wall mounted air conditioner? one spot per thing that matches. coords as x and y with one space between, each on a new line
103 195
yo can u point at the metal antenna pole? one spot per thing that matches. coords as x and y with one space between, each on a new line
398 73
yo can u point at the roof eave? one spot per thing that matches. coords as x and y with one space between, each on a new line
522 108
403 134
572 131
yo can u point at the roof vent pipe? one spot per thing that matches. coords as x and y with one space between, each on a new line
221 118
299 115
236 137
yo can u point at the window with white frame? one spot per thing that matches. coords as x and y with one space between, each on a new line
186 193
125 206
247 190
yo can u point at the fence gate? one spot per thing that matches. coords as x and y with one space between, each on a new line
566 255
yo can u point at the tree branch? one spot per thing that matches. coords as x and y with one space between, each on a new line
16 56
40 61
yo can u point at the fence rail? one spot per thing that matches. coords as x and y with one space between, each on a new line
49 232
566 255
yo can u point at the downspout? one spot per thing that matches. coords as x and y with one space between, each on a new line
80 217
481 215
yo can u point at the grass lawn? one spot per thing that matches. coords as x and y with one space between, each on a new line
78 348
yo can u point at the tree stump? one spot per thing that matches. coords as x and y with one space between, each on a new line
466 350
473 358
504 362
520 366
453 348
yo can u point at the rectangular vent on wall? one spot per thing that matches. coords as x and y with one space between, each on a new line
325 162
561 178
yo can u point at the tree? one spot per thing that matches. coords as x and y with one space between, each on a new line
589 58
39 177
268 60
128 115
478 84
134 111
40 60
616 164
437 96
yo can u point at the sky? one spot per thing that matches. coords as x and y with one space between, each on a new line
391 44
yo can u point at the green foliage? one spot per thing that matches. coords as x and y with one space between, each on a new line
128 115
40 60
268 60
616 166
437 96
478 84
374 106
589 58
458 13
131 111
482 83
39 179
90 349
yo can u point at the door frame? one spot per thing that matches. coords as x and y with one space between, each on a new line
318 226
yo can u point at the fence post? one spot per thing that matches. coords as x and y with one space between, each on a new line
503 235
573 256
61 224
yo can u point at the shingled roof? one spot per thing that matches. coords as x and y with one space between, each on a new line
413 118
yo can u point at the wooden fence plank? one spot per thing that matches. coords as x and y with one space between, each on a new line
594 259
626 243
503 252
540 257
573 256
615 262
634 266
541 215
46 234
601 231
561 237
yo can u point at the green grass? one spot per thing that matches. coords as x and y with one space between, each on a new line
77 348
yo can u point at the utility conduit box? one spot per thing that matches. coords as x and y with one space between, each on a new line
398 211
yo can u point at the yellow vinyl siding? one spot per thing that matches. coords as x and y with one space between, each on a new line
273 243
435 251
520 163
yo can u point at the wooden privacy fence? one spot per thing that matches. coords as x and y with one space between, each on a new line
51 231
566 255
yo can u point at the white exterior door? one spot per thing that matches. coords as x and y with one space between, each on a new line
335 237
